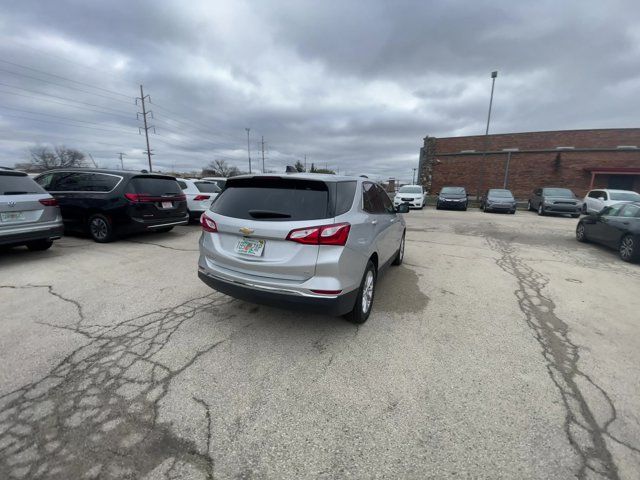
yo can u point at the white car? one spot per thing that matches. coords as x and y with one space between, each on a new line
220 181
596 200
199 193
412 195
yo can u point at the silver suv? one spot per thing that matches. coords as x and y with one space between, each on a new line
28 214
304 240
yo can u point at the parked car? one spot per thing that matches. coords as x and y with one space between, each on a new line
596 200
453 197
220 181
107 203
616 226
412 195
498 200
554 200
199 193
28 215
310 241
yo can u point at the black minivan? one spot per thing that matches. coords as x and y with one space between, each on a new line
107 203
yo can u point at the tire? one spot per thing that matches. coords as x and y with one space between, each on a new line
39 245
100 229
464 209
629 249
541 210
400 254
581 233
361 310
575 215
438 207
163 230
529 207
512 212
584 208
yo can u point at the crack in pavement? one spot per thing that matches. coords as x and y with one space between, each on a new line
586 435
96 414
163 246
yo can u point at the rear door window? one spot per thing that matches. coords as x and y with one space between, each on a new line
631 211
371 201
387 204
273 199
18 185
155 186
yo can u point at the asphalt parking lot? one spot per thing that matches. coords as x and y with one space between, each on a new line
501 348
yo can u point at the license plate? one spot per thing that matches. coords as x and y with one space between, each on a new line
248 246
167 204
12 216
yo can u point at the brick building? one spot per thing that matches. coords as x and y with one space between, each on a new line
575 159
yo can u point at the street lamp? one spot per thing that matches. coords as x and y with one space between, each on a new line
494 74
248 148
413 177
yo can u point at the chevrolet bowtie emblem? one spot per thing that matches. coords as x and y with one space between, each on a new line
246 230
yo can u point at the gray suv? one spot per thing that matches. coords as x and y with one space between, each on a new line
28 214
309 241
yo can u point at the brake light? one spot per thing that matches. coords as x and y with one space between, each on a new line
208 225
327 292
336 234
199 198
48 202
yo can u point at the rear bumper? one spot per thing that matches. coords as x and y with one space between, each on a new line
329 305
140 225
32 233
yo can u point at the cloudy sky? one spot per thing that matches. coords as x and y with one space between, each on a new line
354 85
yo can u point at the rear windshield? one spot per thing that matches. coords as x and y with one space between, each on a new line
155 186
625 196
18 185
273 199
500 193
207 187
558 192
458 190
410 190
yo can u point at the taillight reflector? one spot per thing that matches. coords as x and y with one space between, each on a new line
48 202
199 198
208 225
327 292
336 234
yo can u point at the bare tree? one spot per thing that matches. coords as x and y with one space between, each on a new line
299 166
220 168
44 158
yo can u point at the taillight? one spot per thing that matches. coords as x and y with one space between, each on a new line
48 202
208 225
133 197
199 198
336 234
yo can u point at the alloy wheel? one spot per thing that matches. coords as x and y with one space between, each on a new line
626 248
580 232
99 228
367 292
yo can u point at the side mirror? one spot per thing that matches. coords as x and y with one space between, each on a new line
402 208
601 199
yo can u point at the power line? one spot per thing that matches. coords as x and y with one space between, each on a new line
65 78
75 89
63 98
121 132
65 104
192 124
49 115
66 137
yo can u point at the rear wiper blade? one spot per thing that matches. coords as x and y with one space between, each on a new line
268 214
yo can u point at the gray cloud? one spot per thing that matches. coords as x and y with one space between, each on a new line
355 85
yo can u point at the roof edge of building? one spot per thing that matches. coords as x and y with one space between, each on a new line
541 131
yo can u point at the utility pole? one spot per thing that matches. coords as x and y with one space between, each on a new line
263 154
146 127
413 177
248 148
494 74
121 154
305 163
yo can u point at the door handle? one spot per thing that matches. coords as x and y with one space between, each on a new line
374 222
391 220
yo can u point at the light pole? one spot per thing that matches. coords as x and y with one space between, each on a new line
413 178
494 74
248 148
